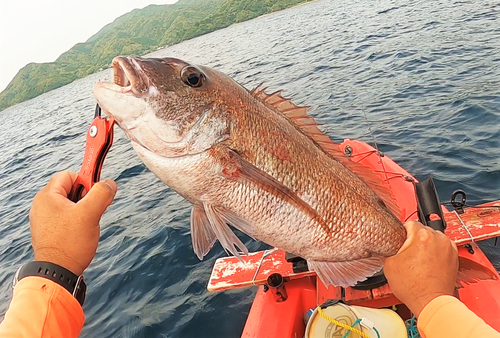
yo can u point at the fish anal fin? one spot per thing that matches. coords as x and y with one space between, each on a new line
229 241
346 273
202 235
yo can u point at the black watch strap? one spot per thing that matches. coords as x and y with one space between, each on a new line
67 279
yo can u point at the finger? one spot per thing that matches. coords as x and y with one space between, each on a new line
98 198
454 246
412 228
61 183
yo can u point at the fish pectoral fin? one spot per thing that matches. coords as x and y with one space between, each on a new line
226 236
242 170
202 235
239 223
346 273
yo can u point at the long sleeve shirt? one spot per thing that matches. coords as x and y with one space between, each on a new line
446 316
42 308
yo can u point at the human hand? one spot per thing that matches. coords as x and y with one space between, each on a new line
424 268
64 232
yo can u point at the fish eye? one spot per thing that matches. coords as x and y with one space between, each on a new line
192 76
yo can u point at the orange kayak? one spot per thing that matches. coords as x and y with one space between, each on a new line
278 310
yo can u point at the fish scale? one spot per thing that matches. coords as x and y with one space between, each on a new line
254 161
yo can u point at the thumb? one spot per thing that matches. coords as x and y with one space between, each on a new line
99 198
412 228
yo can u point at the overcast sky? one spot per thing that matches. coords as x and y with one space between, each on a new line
41 30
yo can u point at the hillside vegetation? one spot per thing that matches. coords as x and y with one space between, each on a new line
135 33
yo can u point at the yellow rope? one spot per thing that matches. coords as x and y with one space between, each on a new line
345 326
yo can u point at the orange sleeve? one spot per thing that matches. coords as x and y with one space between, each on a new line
41 308
446 316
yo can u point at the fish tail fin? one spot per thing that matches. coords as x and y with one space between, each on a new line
346 273
470 272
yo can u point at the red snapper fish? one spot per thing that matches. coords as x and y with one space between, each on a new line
254 161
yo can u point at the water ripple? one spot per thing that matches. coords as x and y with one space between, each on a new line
419 78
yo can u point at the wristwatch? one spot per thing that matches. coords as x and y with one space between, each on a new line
67 279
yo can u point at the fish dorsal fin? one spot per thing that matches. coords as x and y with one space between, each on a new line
298 115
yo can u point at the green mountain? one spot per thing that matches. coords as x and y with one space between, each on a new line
135 33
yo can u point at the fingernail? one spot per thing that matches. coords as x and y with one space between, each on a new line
112 185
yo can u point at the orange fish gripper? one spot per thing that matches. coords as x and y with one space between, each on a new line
99 141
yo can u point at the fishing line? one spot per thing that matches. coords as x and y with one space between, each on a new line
411 215
474 206
376 147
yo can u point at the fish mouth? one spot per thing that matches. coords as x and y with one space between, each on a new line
129 77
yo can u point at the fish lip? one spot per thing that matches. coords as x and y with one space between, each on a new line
129 77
